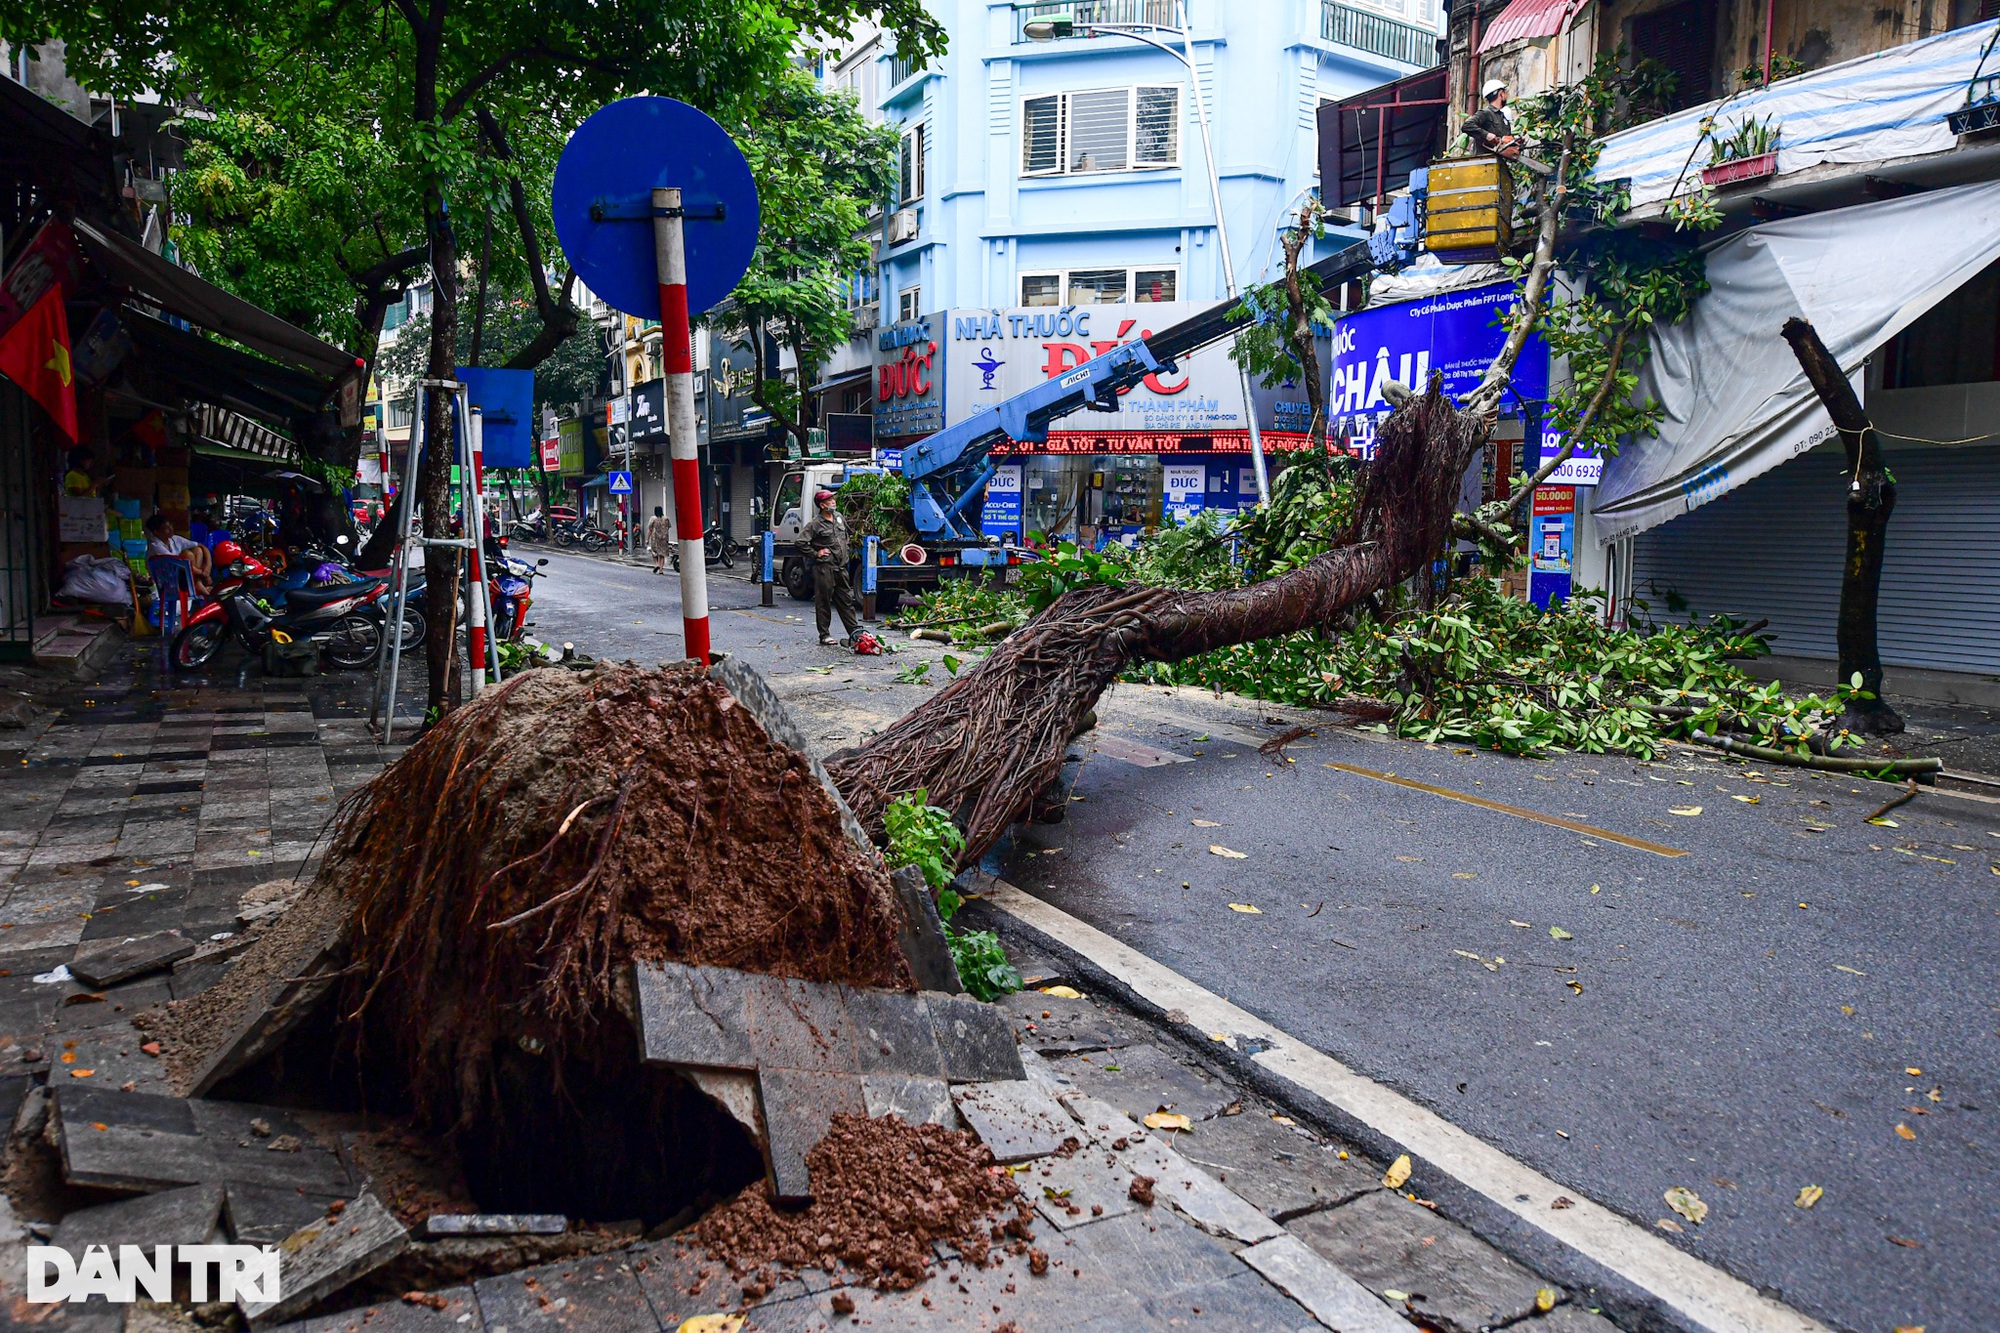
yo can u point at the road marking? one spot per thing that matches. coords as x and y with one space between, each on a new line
1554 821
1705 1295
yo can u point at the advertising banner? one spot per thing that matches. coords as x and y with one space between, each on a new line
1002 514
1551 540
1455 333
552 454
1583 468
909 379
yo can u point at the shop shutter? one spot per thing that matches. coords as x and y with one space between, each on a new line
1773 547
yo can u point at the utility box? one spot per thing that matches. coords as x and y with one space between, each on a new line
1470 215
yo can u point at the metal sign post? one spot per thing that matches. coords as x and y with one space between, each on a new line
661 162
474 507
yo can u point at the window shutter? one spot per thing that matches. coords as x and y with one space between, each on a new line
1041 136
1100 130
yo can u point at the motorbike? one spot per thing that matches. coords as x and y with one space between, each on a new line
510 587
530 528
345 619
568 531
716 548
596 539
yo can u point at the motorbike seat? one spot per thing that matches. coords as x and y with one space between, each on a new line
308 598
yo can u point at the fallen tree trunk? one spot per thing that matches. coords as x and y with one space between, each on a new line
988 742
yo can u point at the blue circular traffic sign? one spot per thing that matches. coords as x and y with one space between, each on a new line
603 202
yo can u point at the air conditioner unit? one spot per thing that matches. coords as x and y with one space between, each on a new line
866 318
902 226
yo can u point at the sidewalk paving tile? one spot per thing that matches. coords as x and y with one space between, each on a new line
1279 1170
1140 1080
324 1256
1210 1205
458 1312
1015 1119
1090 1181
587 1295
1334 1298
1565 1319
183 1216
1455 1279
1055 1025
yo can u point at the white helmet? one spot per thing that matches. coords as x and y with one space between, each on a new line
1492 86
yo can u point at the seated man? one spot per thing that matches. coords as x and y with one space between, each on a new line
161 540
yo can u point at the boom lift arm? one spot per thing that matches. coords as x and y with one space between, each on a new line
948 471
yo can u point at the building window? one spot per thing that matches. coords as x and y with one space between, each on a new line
1111 129
911 164
861 289
1101 286
1681 37
909 304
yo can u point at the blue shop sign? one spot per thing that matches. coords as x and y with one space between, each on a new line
1456 333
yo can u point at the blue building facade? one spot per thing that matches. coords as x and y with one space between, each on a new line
1069 172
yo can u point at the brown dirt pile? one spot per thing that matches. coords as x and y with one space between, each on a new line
538 840
883 1192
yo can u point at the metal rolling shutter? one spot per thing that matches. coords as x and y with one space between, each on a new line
1772 548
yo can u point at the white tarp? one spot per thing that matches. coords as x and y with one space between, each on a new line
1873 109
1736 403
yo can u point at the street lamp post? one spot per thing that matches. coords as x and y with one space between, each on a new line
1043 30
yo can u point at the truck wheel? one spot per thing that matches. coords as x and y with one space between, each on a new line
798 581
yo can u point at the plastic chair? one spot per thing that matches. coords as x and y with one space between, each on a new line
173 582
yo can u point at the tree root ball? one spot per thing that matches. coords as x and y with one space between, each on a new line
537 841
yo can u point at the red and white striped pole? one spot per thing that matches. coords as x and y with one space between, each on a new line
677 347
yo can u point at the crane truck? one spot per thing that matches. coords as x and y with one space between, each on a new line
947 472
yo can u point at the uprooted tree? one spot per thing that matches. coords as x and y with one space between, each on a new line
984 746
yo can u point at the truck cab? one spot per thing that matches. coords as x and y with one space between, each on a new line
792 510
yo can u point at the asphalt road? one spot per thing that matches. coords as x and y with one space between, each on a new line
1739 1020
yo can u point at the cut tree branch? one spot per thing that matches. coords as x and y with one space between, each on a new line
1583 423
560 317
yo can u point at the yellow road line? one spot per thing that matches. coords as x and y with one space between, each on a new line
1553 821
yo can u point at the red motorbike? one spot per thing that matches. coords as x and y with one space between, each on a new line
346 620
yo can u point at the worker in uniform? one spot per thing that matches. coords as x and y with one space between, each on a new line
826 538
1488 129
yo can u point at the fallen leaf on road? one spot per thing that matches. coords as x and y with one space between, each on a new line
1576 987
1558 933
1204 823
1522 924
1596 888
86 1073
1409 858
1913 1071
1685 811
1217 849
1687 1203
1390 1293
1668 1224
1885 823
1398 1172
1463 953
1748 800
1909 1328
1808 1197
1545 1299
1905 1132
1284 1119
1167 1120
1906 1242
1935 1094
1562 1201
712 1323
1063 992
1842 967
1246 907
1465 874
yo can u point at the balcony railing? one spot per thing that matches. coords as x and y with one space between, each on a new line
1081 12
902 67
1377 34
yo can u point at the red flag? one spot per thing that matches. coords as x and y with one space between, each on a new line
35 355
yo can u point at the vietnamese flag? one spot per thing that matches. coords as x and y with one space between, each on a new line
35 355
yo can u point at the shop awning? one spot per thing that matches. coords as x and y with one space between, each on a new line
1877 108
173 288
1734 402
242 437
1525 19
216 372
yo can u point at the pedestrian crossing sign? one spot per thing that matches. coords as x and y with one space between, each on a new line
620 483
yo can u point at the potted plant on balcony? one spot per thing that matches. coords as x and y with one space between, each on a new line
1749 153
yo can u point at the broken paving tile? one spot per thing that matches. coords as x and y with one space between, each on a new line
495 1224
1566 1319
696 1016
1142 1079
920 933
185 1216
893 1033
265 1215
581 1294
975 1039
798 1106
1015 1119
1309 1278
917 1099
452 1310
1089 1181
288 1156
146 1142
681 1282
324 1256
131 957
1277 1169
802 1025
1387 1243
1212 1206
